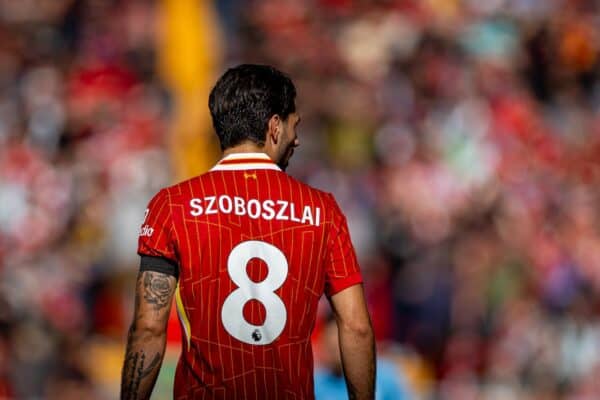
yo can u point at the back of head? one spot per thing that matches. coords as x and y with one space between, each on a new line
245 98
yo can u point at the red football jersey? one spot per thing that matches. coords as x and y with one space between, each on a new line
256 249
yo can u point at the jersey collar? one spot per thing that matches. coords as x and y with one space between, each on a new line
244 161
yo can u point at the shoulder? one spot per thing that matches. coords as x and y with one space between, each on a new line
187 187
332 212
175 194
327 198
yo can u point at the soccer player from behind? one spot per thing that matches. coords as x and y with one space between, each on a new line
247 251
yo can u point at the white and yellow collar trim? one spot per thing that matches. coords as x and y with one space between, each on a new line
245 161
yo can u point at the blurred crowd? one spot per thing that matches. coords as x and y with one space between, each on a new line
82 133
460 137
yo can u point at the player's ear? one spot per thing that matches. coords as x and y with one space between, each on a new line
274 129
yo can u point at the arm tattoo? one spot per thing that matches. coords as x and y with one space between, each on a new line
134 365
157 289
147 335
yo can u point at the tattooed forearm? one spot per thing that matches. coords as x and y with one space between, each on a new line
147 336
134 371
157 289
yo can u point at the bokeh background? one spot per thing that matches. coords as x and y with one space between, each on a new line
461 138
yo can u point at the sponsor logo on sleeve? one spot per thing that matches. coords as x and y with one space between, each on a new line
146 230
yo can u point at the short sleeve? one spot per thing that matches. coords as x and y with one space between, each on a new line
156 239
341 269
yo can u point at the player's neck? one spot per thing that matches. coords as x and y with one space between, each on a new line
246 148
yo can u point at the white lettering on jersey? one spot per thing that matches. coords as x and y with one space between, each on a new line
281 213
268 207
268 210
253 204
225 209
307 217
146 230
211 203
197 209
240 205
293 213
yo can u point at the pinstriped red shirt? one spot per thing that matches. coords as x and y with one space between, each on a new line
255 250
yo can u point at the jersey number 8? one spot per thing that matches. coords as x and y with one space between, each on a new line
232 312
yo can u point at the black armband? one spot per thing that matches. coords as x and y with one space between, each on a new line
159 264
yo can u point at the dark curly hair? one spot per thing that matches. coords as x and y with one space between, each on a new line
245 98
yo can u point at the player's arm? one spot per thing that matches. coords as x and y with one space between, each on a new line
357 343
147 335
